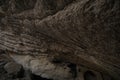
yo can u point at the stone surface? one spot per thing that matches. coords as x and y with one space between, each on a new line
43 67
13 74
14 69
81 32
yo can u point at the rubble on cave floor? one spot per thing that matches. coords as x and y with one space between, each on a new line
10 70
14 71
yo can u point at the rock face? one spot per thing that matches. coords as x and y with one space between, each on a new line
13 68
41 66
79 32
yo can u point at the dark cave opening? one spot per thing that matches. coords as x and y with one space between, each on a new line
36 77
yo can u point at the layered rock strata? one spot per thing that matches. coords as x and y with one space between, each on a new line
80 32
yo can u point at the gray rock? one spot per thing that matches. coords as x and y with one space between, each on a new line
14 69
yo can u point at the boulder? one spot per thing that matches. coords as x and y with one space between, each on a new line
14 69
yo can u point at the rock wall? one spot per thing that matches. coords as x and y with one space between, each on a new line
81 32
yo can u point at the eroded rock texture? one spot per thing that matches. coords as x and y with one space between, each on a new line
47 36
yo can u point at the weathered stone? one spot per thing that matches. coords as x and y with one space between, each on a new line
81 32
14 69
43 67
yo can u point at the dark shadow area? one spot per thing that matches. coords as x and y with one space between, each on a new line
89 75
36 77
22 5
73 69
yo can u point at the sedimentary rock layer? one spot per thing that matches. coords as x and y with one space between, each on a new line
83 32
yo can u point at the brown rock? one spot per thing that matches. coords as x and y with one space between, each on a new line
87 29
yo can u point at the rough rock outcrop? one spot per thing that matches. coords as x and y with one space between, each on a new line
13 68
79 32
